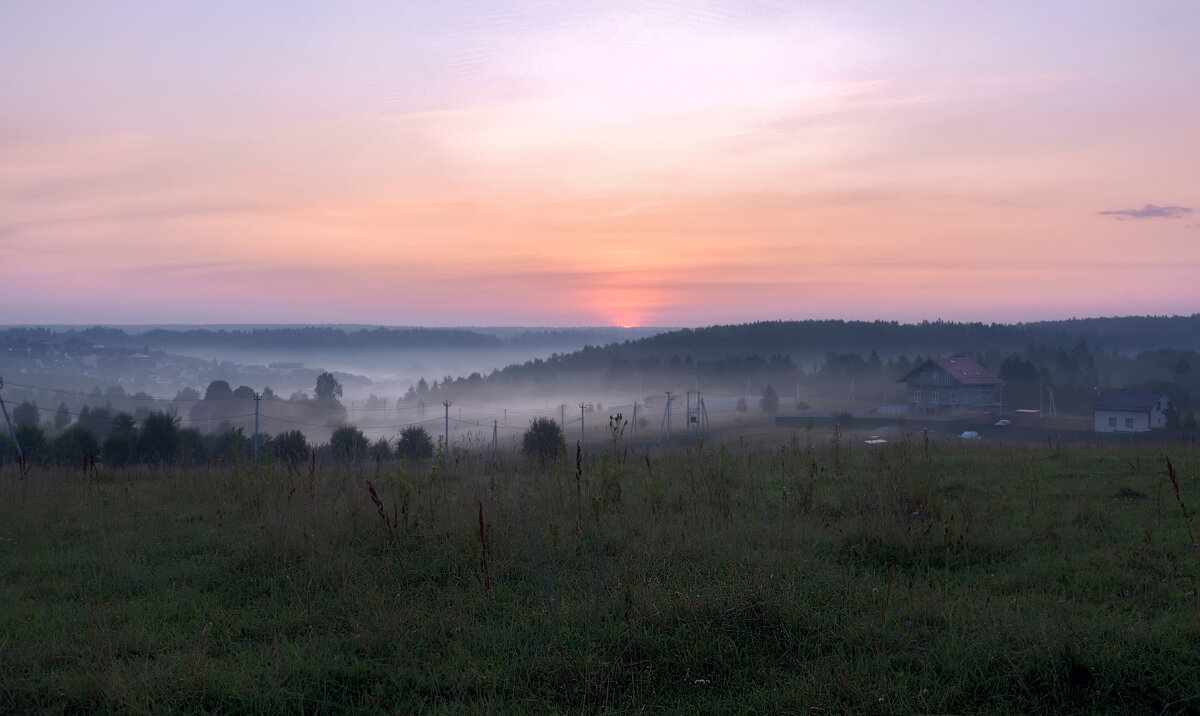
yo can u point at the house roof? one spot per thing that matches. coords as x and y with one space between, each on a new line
1140 400
964 370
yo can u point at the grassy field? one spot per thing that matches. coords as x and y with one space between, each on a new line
721 578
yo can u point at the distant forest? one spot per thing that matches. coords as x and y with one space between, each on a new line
850 361
817 362
322 337
800 339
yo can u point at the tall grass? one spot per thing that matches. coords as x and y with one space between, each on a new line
916 577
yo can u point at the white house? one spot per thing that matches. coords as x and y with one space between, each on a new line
1129 410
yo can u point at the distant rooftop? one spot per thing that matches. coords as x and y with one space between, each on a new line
1140 400
965 370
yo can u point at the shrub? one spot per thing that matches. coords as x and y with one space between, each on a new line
415 443
543 439
158 440
291 447
118 448
73 445
348 443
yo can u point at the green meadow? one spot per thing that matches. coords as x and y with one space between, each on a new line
912 577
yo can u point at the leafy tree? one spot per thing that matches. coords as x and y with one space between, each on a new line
291 447
73 446
62 417
97 421
31 437
118 448
33 441
348 442
188 395
218 390
769 402
328 389
415 443
543 439
422 387
230 445
158 440
26 413
192 447
244 392
1174 420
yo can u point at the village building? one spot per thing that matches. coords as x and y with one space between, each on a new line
952 386
1130 410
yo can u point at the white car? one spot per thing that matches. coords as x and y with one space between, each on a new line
1003 421
969 435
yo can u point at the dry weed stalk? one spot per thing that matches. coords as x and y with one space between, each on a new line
487 575
379 506
1187 518
578 488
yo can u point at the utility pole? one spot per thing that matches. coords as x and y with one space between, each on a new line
582 435
257 400
494 433
665 428
446 445
562 417
687 422
20 455
670 399
633 433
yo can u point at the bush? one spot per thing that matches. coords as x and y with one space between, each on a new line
291 447
769 402
73 446
32 439
381 450
415 443
348 443
543 439
158 440
192 447
118 448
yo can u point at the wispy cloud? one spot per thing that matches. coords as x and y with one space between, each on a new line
1149 211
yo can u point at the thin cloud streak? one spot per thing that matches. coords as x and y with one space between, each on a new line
1149 211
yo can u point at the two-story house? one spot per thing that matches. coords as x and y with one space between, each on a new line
952 386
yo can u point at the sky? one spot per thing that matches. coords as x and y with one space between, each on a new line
581 163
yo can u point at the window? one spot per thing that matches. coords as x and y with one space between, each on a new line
954 397
1112 422
916 396
933 397
1129 422
987 393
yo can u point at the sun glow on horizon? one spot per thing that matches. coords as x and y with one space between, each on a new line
631 164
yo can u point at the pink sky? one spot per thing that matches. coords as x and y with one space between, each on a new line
597 163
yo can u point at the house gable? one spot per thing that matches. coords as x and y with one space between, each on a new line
950 386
